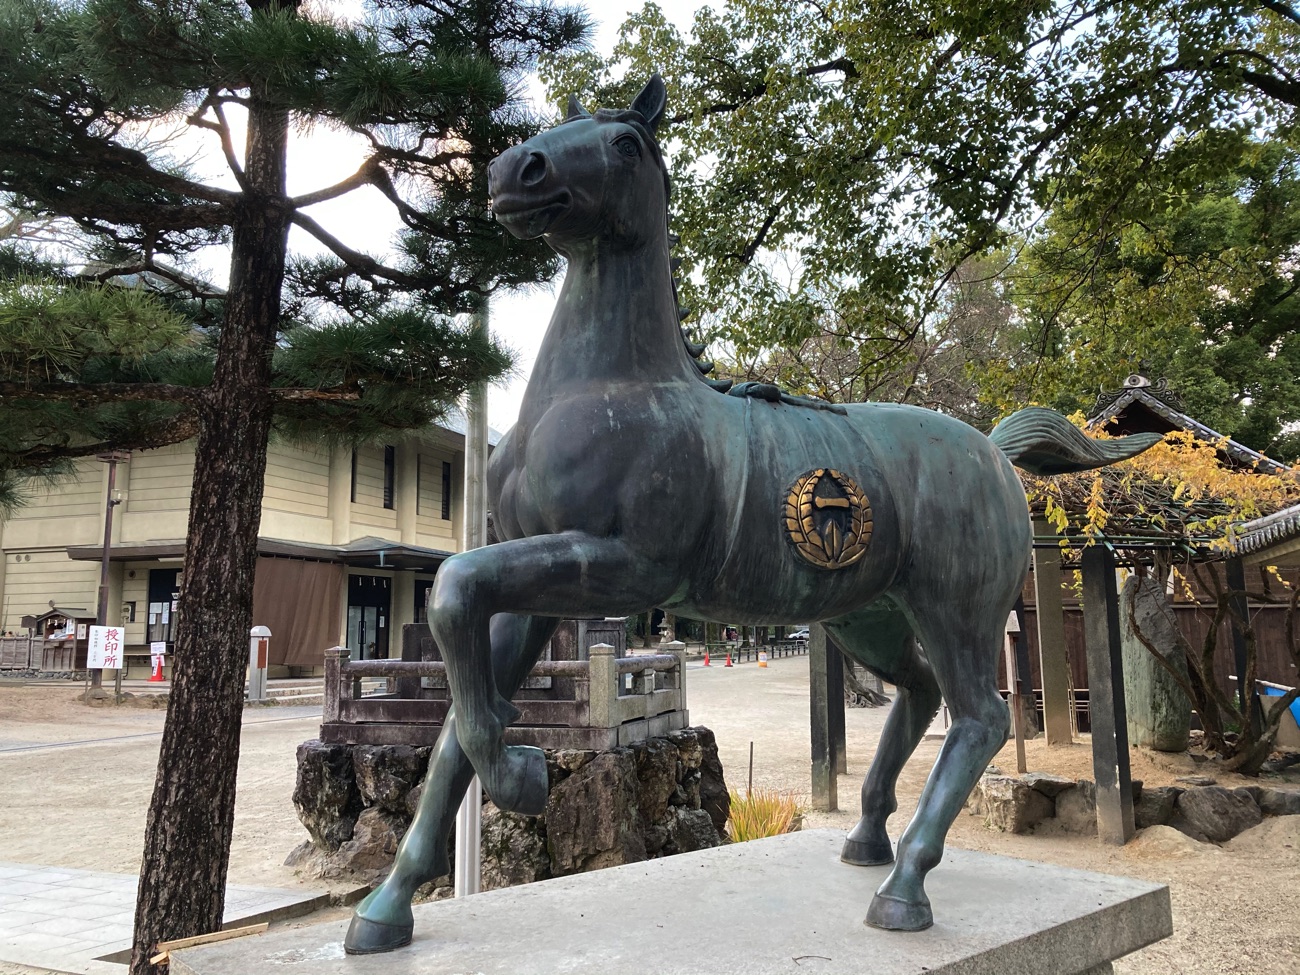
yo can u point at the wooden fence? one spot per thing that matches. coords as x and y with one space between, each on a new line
611 700
37 653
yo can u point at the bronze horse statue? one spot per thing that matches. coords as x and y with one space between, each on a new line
898 527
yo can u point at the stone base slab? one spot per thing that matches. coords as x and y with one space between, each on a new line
784 905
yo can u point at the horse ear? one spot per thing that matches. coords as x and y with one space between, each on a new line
650 103
575 110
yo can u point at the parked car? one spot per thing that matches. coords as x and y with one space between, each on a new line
799 634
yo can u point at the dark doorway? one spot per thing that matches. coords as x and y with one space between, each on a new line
369 604
164 590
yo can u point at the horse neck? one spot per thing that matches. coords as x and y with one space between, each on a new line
615 321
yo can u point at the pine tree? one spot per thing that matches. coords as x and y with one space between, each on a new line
339 346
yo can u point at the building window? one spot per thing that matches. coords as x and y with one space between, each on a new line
418 464
390 475
446 491
354 475
163 592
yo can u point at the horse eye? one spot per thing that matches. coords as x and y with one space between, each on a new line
628 146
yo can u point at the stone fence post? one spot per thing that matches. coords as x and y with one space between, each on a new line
334 658
603 686
678 649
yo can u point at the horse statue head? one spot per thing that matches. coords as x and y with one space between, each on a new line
591 177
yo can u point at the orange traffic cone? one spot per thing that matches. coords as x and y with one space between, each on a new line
728 657
706 656
157 676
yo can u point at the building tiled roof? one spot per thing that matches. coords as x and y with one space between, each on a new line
1165 404
1261 533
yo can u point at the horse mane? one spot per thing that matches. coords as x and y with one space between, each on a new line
633 117
644 115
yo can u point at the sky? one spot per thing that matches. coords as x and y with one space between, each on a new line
366 221
520 320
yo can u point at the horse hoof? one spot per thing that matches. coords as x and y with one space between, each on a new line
867 853
367 937
521 784
893 914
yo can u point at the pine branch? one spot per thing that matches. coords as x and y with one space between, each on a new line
180 428
103 392
222 128
360 263
336 395
366 174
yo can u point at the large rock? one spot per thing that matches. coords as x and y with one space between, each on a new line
366 858
605 808
656 773
1010 805
691 830
1155 806
1216 813
1159 713
1277 802
1076 809
592 817
514 849
386 774
715 799
325 794
1046 783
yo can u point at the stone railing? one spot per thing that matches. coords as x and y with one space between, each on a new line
614 700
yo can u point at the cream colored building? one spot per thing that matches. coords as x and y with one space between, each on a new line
349 543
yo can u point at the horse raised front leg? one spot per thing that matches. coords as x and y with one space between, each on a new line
570 574
383 921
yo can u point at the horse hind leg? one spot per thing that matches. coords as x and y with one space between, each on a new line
961 643
880 638
384 921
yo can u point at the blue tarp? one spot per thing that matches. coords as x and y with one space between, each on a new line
1295 705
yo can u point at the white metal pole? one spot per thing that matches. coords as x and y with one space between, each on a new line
469 818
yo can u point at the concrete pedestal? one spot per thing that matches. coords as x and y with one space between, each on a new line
784 905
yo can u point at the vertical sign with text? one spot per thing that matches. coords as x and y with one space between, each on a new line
107 644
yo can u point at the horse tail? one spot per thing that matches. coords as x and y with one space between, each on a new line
1044 442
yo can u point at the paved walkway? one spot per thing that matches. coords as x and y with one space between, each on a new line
67 920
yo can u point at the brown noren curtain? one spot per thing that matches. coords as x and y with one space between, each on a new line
300 602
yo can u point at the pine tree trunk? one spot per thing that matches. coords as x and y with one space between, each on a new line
191 816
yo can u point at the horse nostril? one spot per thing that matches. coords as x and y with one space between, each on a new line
534 170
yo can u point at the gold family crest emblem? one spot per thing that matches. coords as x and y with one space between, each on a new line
828 518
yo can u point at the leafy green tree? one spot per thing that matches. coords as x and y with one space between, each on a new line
1202 291
90 91
836 158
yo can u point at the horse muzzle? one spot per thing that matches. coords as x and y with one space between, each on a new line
526 217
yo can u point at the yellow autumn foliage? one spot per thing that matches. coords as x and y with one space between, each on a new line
1179 489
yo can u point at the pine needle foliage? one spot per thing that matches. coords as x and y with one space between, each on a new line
328 343
761 813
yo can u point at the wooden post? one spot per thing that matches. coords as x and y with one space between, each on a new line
602 687
1110 760
1014 701
1057 706
1247 697
835 704
824 762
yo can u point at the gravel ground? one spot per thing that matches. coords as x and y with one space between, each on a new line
76 783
